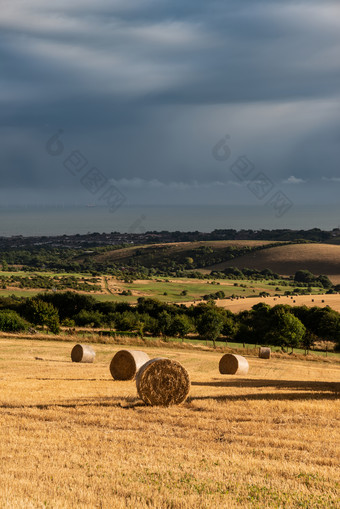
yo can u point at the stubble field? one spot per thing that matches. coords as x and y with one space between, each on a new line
73 437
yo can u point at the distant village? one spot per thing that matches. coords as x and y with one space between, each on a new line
153 237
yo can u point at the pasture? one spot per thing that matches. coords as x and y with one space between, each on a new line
181 290
74 437
172 290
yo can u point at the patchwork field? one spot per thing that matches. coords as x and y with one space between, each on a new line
73 437
175 290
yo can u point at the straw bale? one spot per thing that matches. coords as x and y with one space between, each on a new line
163 382
264 352
82 353
231 364
126 363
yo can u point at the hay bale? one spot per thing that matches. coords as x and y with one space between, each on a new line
163 382
82 353
264 352
126 363
231 364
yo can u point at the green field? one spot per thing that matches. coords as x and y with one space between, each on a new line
25 273
171 290
162 288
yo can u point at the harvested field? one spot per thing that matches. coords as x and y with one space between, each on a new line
286 260
77 438
237 305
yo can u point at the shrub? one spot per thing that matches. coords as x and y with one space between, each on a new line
43 313
10 321
89 318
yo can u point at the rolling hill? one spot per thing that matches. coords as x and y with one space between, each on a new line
161 255
287 259
282 258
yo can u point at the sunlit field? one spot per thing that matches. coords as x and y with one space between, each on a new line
74 437
172 290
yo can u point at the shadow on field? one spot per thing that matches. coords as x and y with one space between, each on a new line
111 402
277 384
269 396
51 360
304 390
69 379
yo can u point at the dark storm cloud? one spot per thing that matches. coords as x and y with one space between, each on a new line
146 88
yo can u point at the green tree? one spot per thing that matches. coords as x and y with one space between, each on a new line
325 281
286 329
10 321
87 318
308 340
44 314
329 325
181 326
4 265
230 326
53 324
69 304
209 325
304 276
164 322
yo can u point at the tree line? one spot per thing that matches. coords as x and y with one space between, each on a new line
280 325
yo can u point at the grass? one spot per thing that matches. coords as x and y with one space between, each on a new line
170 290
76 438
164 289
20 293
24 273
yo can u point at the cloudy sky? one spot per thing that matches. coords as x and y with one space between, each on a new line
141 92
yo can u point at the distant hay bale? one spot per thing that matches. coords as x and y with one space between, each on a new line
82 353
163 382
126 363
231 364
264 352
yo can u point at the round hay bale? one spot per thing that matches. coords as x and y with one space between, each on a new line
163 382
126 363
264 352
82 353
231 364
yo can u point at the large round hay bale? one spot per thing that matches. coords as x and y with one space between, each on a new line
82 353
163 382
264 352
126 363
231 364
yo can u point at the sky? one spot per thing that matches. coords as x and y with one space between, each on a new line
225 102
